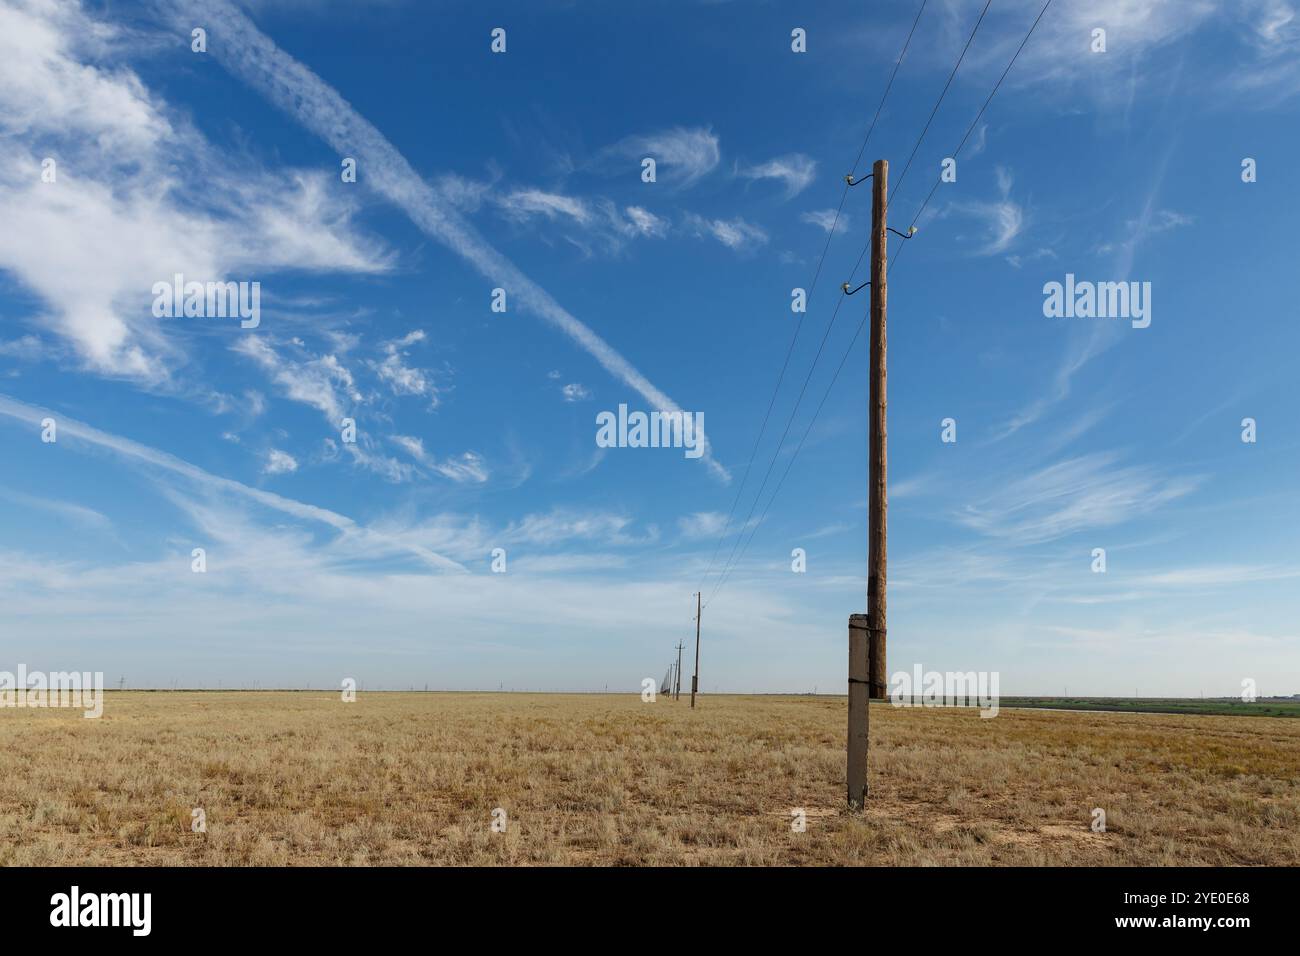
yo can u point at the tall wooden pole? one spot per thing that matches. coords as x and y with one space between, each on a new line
695 678
877 461
867 631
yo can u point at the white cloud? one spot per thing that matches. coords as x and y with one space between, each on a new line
1003 219
523 204
1214 576
647 223
826 219
279 463
795 170
1166 219
407 340
1060 50
594 222
1265 62
78 514
574 392
256 403
1074 495
1042 252
733 233
564 525
401 378
414 446
322 382
363 453
465 194
688 154
26 347
702 524
467 468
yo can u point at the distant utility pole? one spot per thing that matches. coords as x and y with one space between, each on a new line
695 680
677 684
867 631
121 682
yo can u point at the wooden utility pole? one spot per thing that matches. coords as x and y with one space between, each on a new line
877 463
867 631
695 678
677 684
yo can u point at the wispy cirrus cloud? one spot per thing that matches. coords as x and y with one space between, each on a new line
1142 37
466 468
322 382
826 220
646 223
1001 220
590 224
1082 493
77 514
1098 336
689 154
1151 223
796 171
701 524
562 524
401 378
736 234
523 204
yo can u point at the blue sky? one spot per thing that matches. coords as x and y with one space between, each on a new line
476 429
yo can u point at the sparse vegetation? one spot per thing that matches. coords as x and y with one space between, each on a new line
410 778
1263 707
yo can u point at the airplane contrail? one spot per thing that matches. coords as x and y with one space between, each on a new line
254 58
69 427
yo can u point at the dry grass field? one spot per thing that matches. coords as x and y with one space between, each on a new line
410 779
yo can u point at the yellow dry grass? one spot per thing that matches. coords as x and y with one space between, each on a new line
409 779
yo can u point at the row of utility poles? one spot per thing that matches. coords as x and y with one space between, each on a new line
867 632
695 678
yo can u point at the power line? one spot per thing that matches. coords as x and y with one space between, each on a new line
978 115
771 464
933 112
899 185
812 288
798 448
889 85
727 570
794 411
